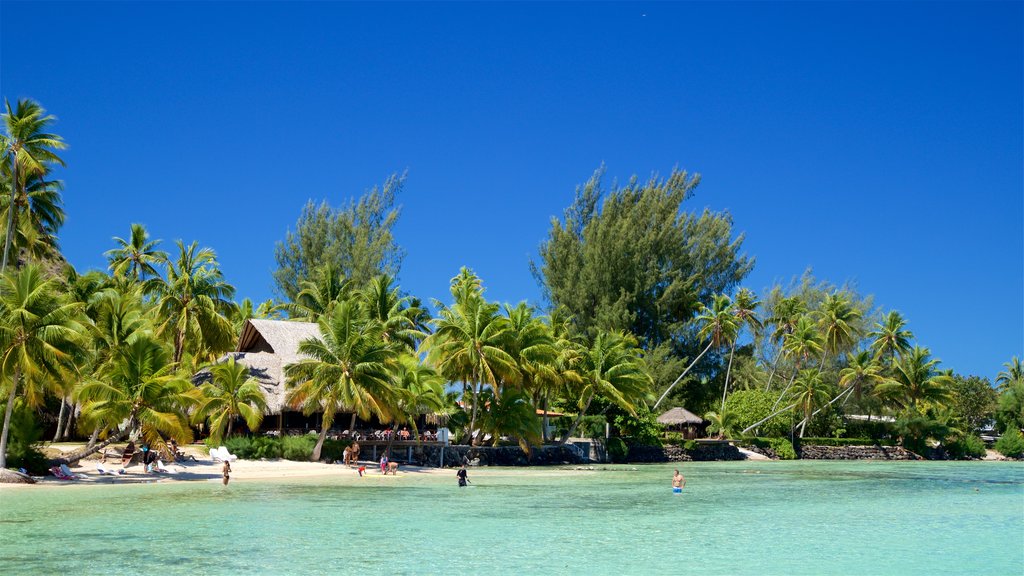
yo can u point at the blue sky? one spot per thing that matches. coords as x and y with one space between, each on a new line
878 143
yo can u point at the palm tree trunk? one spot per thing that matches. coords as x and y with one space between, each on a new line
15 179
60 421
775 366
324 426
352 424
671 386
92 439
544 420
179 345
728 370
576 423
796 369
90 450
231 425
766 418
69 424
7 414
847 392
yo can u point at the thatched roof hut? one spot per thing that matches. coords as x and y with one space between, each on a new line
266 347
679 416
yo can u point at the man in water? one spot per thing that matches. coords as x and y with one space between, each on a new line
462 476
678 482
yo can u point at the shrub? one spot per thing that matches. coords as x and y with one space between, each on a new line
1010 444
332 449
782 447
643 428
25 434
968 446
298 448
690 445
751 406
617 449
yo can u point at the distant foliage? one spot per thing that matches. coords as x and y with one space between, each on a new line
617 449
1011 444
643 427
356 238
973 400
1010 410
782 447
969 446
751 406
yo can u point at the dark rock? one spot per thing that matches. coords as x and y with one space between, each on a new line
855 453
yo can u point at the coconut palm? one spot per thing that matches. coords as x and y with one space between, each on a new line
193 302
802 344
862 372
785 315
418 390
916 382
39 335
30 151
511 414
809 392
532 346
718 324
890 338
745 310
348 368
316 297
612 367
837 317
723 423
230 394
1014 373
139 387
137 257
469 342
395 312
39 213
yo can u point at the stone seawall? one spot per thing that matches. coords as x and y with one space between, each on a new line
675 453
855 453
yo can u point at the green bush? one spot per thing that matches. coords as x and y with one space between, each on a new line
643 428
298 448
617 449
25 434
690 445
1010 444
332 449
751 406
965 447
675 438
781 446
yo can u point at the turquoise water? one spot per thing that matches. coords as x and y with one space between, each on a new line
733 518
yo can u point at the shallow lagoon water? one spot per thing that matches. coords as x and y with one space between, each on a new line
733 518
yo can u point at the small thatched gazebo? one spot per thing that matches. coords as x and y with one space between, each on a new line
682 420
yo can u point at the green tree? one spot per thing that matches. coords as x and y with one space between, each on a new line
230 394
753 407
973 401
349 367
890 338
745 308
783 316
916 382
137 257
39 213
356 239
809 391
39 335
837 320
193 302
30 151
1010 407
318 294
397 314
802 344
1014 373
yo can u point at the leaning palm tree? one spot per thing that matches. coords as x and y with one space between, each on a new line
916 382
194 301
29 150
802 344
837 319
718 325
230 394
39 335
745 309
469 343
350 367
784 317
138 392
809 392
862 372
1014 373
890 338
137 257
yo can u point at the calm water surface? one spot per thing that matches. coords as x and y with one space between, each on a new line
733 518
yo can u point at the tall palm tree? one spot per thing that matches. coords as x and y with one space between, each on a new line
469 341
349 367
890 338
803 343
837 318
862 372
745 309
316 297
141 388
395 312
916 382
809 391
194 301
532 346
418 389
38 334
39 213
137 257
718 324
612 367
1014 373
230 394
29 150
784 317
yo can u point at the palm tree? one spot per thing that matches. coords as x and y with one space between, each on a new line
418 389
745 309
39 213
916 382
349 367
612 367
30 151
837 318
511 414
803 343
785 315
316 297
137 257
1014 373
718 325
38 335
723 423
890 338
862 371
194 302
395 312
469 342
809 391
138 387
230 394
532 346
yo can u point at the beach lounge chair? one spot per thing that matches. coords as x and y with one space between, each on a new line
221 454
56 471
163 469
67 472
103 470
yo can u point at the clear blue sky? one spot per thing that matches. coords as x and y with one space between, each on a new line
877 143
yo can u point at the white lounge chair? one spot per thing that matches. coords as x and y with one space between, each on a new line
163 469
67 472
222 455
103 470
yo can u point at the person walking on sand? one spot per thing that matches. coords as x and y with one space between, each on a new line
461 474
384 464
678 482
226 470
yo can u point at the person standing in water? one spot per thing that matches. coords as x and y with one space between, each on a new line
678 482
226 470
462 476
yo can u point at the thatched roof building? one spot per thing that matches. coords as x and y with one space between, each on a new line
680 417
266 347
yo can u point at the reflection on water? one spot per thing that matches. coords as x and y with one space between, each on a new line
733 518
